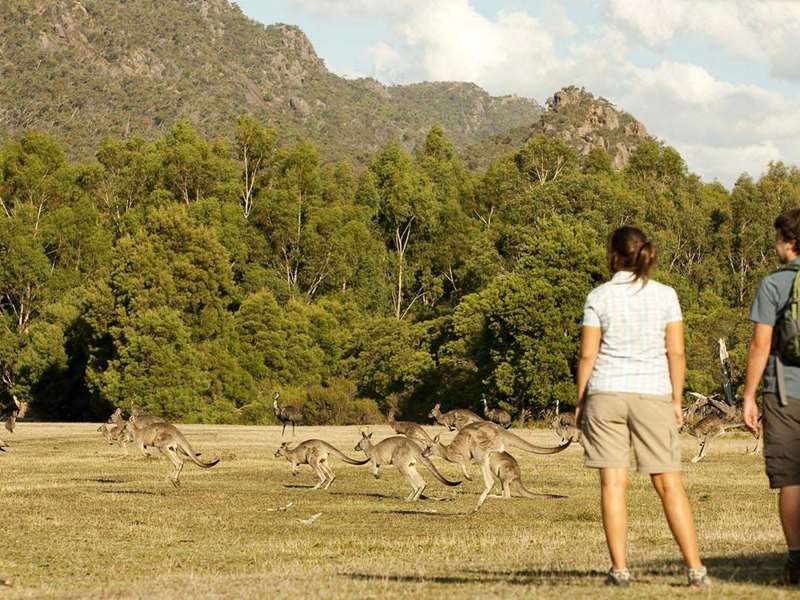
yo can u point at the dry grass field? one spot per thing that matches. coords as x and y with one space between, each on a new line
79 523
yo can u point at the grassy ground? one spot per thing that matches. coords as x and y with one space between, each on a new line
78 523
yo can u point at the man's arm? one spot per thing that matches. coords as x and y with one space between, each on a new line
757 357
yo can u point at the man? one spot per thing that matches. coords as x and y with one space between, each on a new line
781 388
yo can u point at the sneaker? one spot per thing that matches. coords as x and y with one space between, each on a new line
618 577
698 577
791 574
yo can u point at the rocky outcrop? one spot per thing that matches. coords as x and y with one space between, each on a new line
587 122
579 118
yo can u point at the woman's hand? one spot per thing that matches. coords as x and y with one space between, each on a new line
677 410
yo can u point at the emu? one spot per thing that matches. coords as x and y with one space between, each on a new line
496 415
286 414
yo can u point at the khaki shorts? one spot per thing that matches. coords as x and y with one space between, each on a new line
782 441
615 421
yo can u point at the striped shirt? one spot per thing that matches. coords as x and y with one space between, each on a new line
633 319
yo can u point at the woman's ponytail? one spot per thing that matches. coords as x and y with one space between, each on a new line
629 250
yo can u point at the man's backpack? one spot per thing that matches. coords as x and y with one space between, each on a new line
788 326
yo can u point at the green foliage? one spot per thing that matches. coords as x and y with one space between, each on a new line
141 278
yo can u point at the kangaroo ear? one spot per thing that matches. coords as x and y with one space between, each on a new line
369 435
436 438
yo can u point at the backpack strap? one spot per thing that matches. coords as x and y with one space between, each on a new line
788 267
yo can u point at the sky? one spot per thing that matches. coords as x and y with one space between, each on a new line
717 79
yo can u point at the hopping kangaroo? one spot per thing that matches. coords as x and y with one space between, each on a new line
114 431
457 418
403 454
169 441
496 415
18 412
709 418
314 453
409 429
563 424
477 441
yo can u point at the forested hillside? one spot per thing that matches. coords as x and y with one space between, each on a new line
192 277
86 69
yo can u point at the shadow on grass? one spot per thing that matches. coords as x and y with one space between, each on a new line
532 577
98 480
422 513
135 492
757 569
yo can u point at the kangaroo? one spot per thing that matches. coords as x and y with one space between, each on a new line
708 418
19 411
315 454
144 421
453 419
496 415
114 431
505 470
403 454
563 425
409 429
286 414
169 441
477 441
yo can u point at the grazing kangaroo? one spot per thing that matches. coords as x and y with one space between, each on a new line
411 430
496 415
286 414
403 454
477 441
453 419
314 453
708 418
505 470
169 441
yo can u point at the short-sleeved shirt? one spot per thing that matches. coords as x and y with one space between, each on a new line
771 298
633 317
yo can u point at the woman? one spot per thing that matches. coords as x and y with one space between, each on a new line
630 389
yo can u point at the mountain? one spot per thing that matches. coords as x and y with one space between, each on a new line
579 118
86 69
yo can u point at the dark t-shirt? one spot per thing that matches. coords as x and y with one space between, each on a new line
772 296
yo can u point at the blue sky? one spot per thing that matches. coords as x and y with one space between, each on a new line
716 79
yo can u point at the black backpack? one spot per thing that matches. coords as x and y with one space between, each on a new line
788 326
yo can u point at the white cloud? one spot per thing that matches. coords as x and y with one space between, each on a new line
727 163
766 30
721 127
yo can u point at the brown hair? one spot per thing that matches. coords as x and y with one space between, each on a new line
629 250
788 225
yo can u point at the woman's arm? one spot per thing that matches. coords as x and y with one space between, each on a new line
676 357
590 348
757 357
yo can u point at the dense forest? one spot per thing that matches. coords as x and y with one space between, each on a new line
193 277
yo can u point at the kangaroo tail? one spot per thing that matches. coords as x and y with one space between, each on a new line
517 442
184 445
526 493
432 468
342 456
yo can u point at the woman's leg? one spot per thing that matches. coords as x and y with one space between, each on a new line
679 515
613 502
